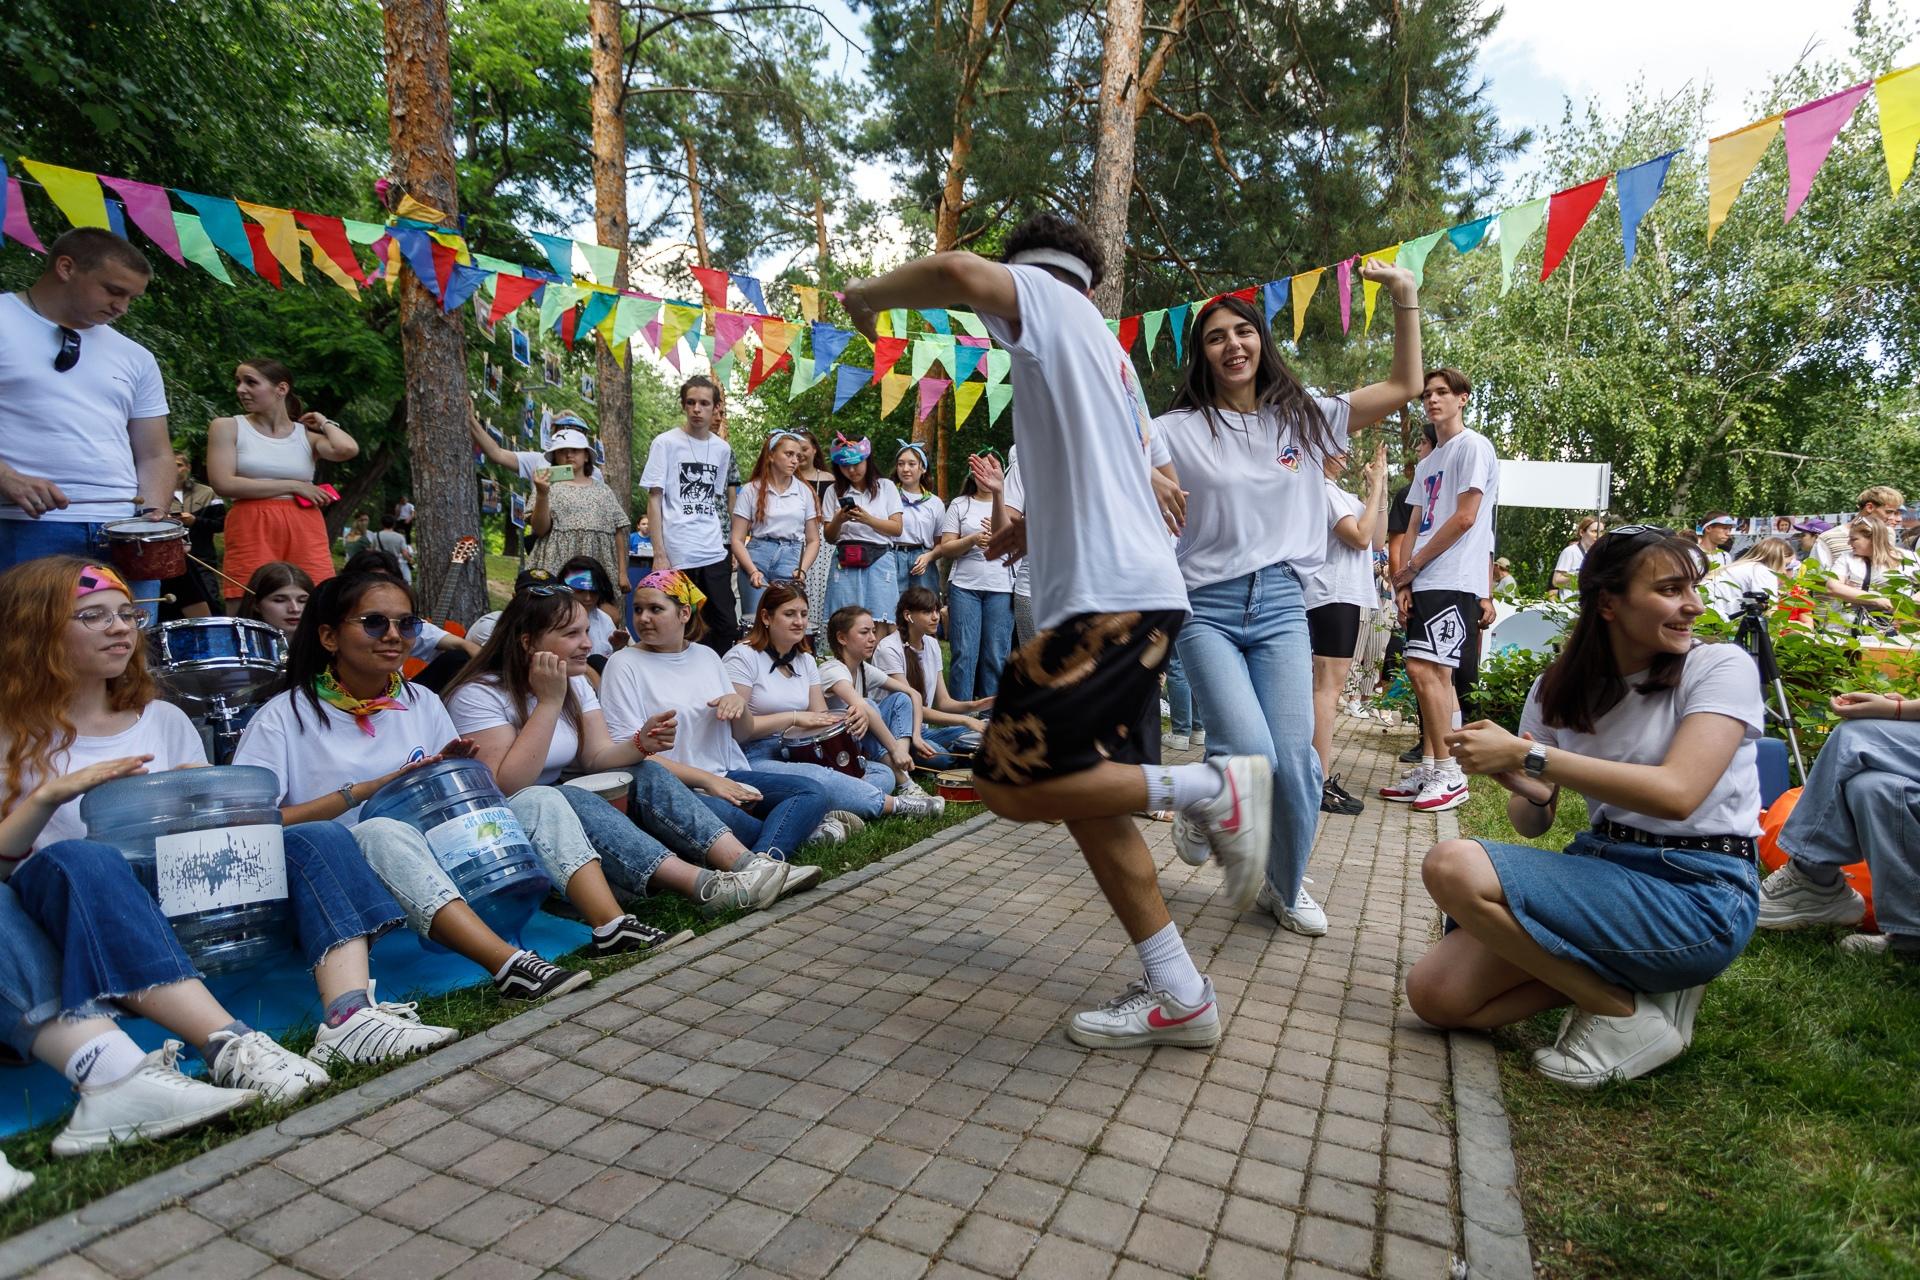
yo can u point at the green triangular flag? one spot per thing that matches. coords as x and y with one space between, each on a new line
1150 328
603 261
999 364
803 377
558 298
1517 226
1413 255
969 323
999 396
196 248
925 352
368 232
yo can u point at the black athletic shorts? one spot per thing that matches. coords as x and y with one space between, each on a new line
1443 627
1334 630
1085 691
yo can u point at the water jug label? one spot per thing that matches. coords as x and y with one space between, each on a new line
481 831
199 871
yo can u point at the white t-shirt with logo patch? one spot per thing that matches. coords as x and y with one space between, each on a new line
1465 463
318 752
483 704
693 477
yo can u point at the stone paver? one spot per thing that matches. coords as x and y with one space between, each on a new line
879 1086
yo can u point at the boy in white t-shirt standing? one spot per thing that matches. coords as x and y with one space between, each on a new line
690 477
1445 589
1075 729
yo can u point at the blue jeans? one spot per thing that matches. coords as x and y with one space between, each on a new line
980 632
1862 801
1247 658
663 818
904 576
896 712
23 540
942 737
789 812
30 995
778 559
872 588
335 895
852 794
107 931
1181 710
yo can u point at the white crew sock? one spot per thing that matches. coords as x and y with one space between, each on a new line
1169 967
108 1058
611 927
501 972
1181 786
1429 763
1450 770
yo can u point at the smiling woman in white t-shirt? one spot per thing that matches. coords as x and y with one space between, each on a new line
1632 921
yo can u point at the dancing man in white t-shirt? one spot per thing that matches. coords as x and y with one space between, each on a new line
690 478
1075 729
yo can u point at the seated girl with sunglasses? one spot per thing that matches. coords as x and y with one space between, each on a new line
78 709
666 669
773 671
443 652
890 710
531 714
1632 921
348 723
587 578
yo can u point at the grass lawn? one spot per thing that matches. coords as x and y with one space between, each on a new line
1786 1142
64 1186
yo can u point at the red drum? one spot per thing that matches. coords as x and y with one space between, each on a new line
831 748
147 549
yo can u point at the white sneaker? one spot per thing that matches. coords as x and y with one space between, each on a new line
829 832
1593 1049
255 1061
1177 742
378 1033
12 1181
1189 841
752 884
919 805
1141 1015
1443 791
1238 823
1680 1008
851 823
904 785
800 875
1791 900
1408 788
1199 738
153 1102
1305 916
1866 944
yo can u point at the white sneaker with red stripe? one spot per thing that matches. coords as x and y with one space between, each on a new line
1442 792
1407 789
1141 1015
1238 823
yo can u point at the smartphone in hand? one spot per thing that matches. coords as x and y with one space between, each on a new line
556 474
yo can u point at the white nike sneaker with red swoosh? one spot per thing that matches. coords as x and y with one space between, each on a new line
1141 1015
1238 823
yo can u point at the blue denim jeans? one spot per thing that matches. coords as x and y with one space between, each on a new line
842 792
789 812
335 895
1181 710
980 631
1862 801
896 712
942 737
778 559
107 931
30 995
904 576
872 588
1247 658
23 540
663 818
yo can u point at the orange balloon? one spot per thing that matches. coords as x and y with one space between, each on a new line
1772 856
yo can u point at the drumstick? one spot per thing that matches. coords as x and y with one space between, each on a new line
169 598
215 572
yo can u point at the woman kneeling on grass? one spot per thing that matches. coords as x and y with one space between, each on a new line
1636 916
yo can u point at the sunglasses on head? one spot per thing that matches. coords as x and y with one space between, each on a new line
1638 530
547 589
69 353
378 624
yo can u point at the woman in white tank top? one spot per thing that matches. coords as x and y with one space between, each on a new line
261 461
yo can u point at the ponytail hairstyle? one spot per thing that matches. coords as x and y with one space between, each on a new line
839 624
1276 389
507 658
916 600
275 372
763 469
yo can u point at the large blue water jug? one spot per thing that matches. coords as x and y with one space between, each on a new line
474 836
206 843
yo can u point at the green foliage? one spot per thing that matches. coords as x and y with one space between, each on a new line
1505 680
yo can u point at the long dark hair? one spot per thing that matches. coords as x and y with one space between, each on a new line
270 577
330 605
839 624
507 658
1585 682
915 600
843 482
1274 385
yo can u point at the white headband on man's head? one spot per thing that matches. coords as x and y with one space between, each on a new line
1060 258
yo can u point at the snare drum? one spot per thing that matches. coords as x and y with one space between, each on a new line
145 550
200 659
831 748
612 787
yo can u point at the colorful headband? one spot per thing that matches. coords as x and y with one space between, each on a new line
96 578
674 585
848 452
909 445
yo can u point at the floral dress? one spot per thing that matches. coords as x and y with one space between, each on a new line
588 520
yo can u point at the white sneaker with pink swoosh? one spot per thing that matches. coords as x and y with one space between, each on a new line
1141 1015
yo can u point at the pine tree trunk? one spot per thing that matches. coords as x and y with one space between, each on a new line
420 128
699 210
1113 148
614 382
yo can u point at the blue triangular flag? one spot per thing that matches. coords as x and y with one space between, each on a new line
965 361
1177 321
750 290
936 318
828 342
417 248
559 253
1273 297
1467 236
598 304
1639 187
848 379
461 284
117 219
220 218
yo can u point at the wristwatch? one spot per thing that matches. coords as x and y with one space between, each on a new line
1536 762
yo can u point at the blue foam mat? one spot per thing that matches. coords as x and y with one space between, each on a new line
279 997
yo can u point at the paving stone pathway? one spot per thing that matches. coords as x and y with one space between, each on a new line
875 1084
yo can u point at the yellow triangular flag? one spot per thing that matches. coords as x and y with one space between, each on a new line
419 211
328 267
809 301
675 320
892 387
618 350
1303 286
965 396
1369 291
776 336
455 241
75 191
883 324
1899 99
281 233
394 259
1730 158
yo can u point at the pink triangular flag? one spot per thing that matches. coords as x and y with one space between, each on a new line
1810 131
728 328
931 389
1343 273
652 334
151 211
17 227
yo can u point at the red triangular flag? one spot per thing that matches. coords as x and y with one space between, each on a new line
443 263
1567 212
331 235
568 319
1247 295
886 354
1129 330
265 265
509 292
762 370
713 283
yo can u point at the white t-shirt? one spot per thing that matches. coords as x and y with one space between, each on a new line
1347 575
920 519
770 691
1466 462
482 629
884 504
638 683
1255 492
1572 556
964 518
1099 545
326 750
600 632
426 647
483 704
1016 500
787 510
71 428
162 731
693 477
872 684
1725 587
891 657
1719 679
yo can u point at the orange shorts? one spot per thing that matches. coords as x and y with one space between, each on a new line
262 530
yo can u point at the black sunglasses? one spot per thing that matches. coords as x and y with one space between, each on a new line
378 624
69 354
1638 530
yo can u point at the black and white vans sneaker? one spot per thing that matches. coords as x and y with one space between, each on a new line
629 936
528 977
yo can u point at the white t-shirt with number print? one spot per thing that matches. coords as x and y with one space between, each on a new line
1466 462
693 477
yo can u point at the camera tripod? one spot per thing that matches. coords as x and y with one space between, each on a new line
1752 635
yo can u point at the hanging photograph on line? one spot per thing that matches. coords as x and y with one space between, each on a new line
522 350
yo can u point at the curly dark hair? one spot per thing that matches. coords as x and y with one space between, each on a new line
1052 231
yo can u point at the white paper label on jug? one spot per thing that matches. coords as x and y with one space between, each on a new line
481 831
197 871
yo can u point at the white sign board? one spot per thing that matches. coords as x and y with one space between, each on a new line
1574 486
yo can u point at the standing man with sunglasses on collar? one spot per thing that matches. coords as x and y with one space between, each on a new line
83 412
